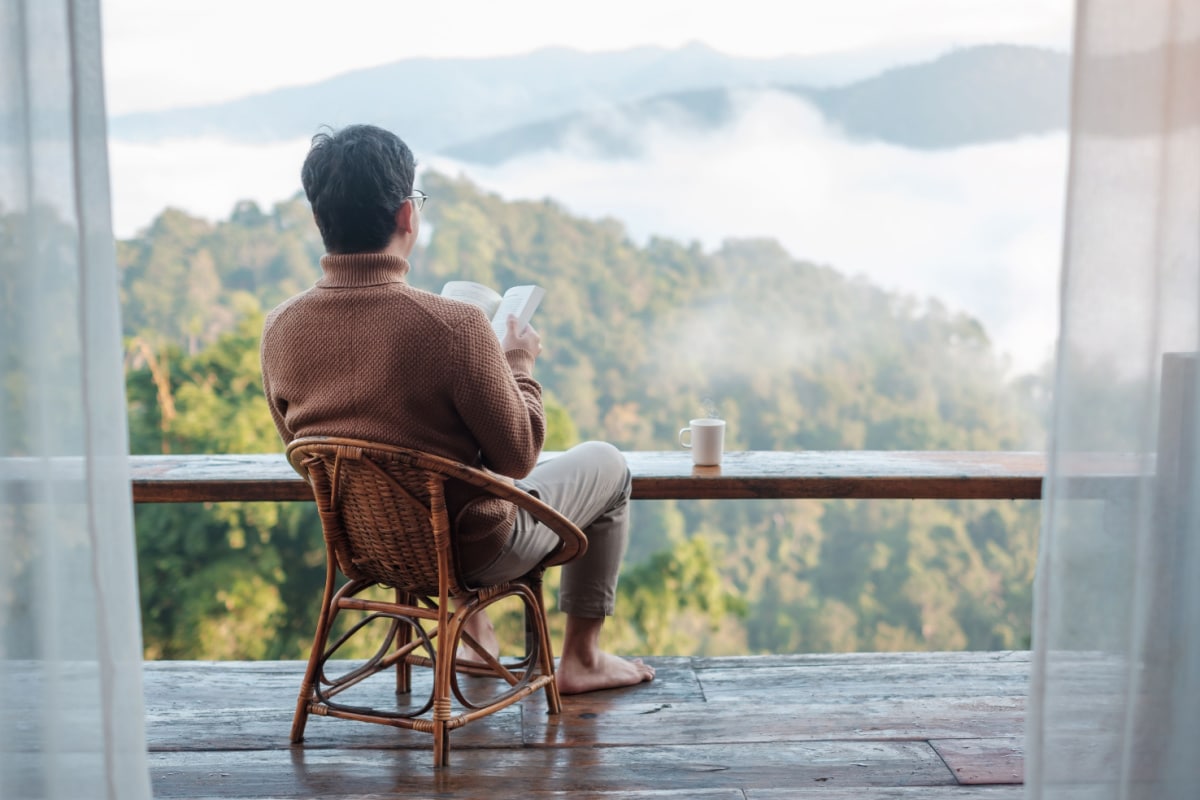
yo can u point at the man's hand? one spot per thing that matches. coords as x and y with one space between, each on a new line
527 339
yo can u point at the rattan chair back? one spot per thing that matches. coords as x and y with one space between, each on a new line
383 513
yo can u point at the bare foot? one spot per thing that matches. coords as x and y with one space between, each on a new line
480 628
605 671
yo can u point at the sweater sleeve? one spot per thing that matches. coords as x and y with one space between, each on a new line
277 413
498 399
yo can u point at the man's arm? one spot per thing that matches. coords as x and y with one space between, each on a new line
277 413
496 396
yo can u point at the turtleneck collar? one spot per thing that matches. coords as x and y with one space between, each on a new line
361 269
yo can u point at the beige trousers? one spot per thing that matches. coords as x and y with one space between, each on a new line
589 485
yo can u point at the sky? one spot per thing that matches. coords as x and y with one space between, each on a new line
162 54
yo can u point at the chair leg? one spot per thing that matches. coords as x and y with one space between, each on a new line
300 719
403 638
449 630
553 697
532 629
441 745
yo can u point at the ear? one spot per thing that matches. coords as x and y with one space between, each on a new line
404 217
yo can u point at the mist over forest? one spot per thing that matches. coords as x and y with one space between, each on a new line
940 178
638 336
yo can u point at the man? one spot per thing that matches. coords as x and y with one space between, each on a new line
364 355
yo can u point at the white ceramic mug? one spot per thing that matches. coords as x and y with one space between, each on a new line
706 440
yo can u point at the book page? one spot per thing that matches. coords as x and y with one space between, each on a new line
474 293
520 301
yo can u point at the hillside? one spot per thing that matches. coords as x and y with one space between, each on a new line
637 339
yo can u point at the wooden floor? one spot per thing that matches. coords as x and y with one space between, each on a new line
869 725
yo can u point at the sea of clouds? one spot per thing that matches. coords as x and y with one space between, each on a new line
978 227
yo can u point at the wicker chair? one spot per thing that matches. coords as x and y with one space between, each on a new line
385 523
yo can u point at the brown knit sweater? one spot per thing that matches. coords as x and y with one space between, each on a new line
364 355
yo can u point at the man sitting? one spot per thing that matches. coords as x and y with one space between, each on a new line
364 355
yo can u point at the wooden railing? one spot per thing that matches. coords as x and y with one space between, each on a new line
747 475
670 475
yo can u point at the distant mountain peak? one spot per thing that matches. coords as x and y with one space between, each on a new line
966 96
434 103
479 109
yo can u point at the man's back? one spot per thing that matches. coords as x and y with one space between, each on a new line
364 355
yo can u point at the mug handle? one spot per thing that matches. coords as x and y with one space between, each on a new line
688 443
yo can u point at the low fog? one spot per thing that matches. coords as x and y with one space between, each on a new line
977 227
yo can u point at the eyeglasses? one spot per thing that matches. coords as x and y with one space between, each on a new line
418 198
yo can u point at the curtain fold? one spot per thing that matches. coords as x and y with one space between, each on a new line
1115 694
71 712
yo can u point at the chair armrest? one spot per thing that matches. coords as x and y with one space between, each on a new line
574 542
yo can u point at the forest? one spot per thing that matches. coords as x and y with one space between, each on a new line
638 338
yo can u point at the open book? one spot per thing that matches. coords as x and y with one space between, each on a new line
520 301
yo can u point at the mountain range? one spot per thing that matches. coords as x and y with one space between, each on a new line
492 110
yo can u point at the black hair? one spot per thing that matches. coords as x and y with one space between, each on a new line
356 179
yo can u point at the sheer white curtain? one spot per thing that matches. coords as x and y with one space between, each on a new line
71 717
1115 697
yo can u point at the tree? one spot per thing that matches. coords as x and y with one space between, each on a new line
638 339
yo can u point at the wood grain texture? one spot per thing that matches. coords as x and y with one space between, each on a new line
892 793
840 474
921 659
658 476
780 721
859 683
301 772
984 760
886 725
666 475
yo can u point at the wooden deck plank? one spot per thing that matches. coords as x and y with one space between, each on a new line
956 657
911 700
648 794
821 791
892 793
852 683
989 760
302 772
778 721
258 730
248 706
842 724
620 794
